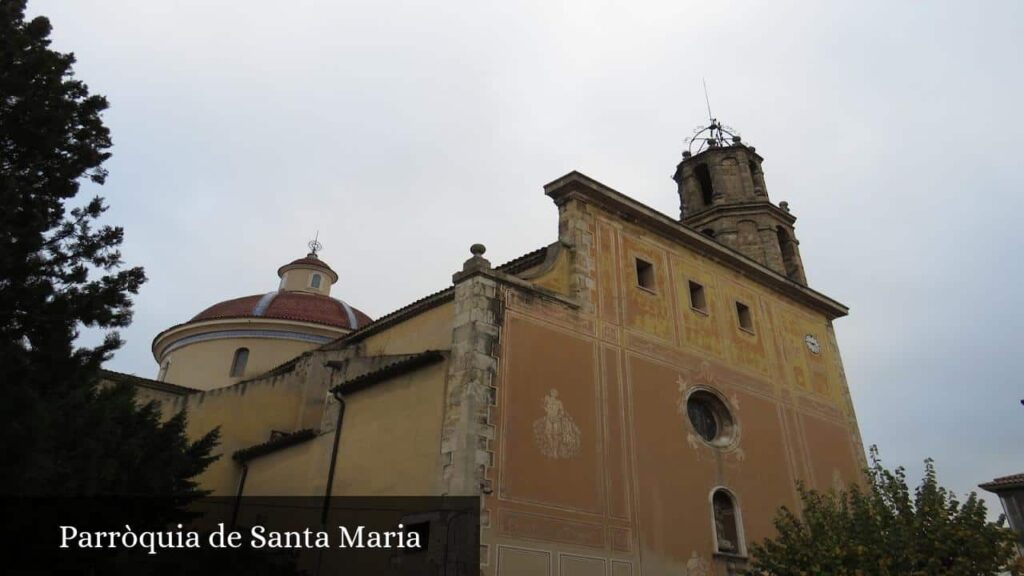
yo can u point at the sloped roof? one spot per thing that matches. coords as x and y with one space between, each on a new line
1004 483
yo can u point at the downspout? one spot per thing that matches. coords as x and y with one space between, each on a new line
334 454
238 496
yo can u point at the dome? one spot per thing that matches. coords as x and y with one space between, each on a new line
282 305
238 338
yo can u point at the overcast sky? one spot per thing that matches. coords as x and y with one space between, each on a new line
405 131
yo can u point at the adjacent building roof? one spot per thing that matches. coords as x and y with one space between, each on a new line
111 376
298 306
1005 483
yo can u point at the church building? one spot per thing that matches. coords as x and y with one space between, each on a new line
638 397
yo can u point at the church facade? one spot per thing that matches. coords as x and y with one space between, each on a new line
638 397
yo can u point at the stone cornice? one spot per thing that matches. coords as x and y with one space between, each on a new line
738 209
575 185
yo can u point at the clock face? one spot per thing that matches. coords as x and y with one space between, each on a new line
812 343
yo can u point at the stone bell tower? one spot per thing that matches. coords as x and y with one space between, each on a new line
722 194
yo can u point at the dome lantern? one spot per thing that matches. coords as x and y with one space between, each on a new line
309 274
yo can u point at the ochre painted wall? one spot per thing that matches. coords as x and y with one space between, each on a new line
627 485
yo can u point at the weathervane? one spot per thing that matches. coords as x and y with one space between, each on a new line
714 135
314 245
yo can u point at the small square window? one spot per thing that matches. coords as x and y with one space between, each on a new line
697 299
745 317
645 274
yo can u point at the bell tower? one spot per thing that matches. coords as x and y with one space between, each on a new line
723 195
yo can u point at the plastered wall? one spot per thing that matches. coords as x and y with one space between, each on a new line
597 469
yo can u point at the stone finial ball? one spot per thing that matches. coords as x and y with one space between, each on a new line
477 249
736 139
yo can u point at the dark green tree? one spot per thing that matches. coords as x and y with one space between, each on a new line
885 529
63 432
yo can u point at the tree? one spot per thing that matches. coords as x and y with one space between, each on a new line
883 530
62 432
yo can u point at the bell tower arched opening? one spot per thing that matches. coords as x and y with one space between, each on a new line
707 189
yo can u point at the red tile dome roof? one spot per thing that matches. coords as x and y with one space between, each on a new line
298 306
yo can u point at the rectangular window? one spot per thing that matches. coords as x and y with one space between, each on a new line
697 299
744 316
645 274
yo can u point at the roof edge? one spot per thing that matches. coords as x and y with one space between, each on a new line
577 184
147 382
386 372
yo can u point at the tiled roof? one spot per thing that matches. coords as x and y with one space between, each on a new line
525 261
314 308
274 444
400 365
112 376
1004 483
309 261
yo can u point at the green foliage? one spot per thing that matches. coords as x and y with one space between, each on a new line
884 529
59 271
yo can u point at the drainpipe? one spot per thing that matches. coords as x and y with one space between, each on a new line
334 454
238 496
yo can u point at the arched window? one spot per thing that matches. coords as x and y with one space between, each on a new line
728 534
315 281
239 361
704 179
788 249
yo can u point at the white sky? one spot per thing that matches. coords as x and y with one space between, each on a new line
406 131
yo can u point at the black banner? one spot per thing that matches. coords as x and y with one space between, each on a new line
251 535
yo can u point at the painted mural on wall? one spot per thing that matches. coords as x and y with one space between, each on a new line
555 434
697 566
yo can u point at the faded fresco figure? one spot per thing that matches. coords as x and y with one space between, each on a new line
696 566
556 434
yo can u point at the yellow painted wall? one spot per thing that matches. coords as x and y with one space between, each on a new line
301 279
299 470
169 403
390 444
391 436
431 330
247 414
207 365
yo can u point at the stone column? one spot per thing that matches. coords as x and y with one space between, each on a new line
467 430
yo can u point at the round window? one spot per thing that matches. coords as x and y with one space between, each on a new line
710 418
